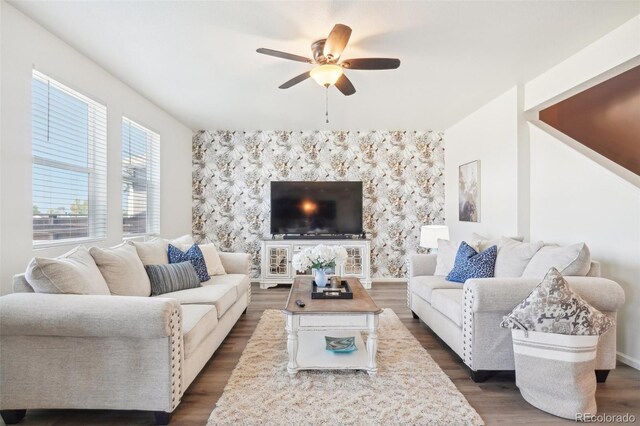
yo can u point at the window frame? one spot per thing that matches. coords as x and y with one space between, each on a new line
97 228
152 211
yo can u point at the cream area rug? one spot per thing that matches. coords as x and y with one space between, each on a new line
409 389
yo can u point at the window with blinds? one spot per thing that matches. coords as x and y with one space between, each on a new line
140 179
69 139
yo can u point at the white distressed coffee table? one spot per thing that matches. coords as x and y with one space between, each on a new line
307 327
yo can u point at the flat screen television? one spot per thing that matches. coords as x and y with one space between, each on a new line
316 208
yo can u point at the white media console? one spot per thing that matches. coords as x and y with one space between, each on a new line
277 255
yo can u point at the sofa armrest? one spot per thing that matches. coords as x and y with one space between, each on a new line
70 315
236 263
503 294
422 264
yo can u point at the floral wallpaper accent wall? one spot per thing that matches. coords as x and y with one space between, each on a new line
402 174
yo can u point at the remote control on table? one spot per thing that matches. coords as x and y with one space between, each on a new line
300 303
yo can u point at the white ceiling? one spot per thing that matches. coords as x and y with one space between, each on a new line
197 60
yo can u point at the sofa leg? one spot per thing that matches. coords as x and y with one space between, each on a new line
162 417
601 375
415 316
11 417
245 311
480 376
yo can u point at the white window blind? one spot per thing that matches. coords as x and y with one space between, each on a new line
140 179
69 139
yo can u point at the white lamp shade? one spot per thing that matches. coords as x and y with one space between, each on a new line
430 234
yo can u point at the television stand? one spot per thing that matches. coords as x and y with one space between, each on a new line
276 256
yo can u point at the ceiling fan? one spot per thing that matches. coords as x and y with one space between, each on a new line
329 68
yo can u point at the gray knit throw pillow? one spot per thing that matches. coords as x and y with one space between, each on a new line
172 277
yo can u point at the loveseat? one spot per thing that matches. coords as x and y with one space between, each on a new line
114 352
467 316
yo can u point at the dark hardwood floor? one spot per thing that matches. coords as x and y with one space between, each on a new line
498 400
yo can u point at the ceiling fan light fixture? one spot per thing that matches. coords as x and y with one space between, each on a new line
326 75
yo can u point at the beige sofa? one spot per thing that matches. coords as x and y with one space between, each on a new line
467 316
114 352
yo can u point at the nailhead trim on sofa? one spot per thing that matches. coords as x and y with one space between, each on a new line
177 357
467 327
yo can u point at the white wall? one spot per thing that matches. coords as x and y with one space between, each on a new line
573 199
578 195
542 184
24 45
490 135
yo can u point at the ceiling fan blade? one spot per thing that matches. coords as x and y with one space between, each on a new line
371 64
295 80
284 55
336 42
345 86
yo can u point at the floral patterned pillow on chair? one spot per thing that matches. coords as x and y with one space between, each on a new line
553 307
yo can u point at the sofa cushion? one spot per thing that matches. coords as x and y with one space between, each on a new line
222 296
482 243
172 277
424 285
122 269
571 260
449 303
471 264
194 255
241 281
75 272
514 256
197 322
152 252
184 240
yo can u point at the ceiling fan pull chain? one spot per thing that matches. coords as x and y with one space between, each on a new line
327 103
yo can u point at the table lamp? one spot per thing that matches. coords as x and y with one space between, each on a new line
430 234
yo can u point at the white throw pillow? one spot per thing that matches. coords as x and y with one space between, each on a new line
74 272
152 252
485 242
185 240
572 260
211 257
447 251
514 256
123 270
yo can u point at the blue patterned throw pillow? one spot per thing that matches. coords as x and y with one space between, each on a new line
471 264
193 255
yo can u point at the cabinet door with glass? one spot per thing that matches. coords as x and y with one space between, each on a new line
278 261
355 264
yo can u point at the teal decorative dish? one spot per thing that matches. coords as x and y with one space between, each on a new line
341 344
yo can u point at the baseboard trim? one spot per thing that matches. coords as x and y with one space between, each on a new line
626 359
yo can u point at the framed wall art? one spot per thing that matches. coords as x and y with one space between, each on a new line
469 192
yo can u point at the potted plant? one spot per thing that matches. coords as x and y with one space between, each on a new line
319 258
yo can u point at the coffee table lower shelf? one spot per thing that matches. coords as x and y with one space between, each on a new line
313 355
